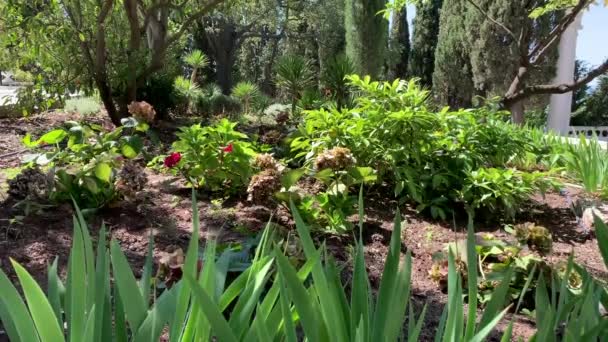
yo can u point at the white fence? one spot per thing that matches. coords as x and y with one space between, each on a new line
600 131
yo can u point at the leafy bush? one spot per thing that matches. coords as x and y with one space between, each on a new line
85 159
82 105
329 209
214 157
212 101
433 158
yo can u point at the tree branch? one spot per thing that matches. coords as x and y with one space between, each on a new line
186 24
543 46
560 88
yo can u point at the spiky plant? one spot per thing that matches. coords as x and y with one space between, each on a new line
335 80
294 75
246 92
197 60
187 89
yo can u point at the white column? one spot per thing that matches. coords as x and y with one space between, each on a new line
561 104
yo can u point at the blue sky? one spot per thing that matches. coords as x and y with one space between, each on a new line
592 45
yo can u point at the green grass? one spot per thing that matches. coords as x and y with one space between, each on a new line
82 105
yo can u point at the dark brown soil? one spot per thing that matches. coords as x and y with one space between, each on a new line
165 210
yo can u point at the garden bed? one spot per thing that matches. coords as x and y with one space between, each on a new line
166 212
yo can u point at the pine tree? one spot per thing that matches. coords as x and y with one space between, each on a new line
399 45
424 41
366 35
452 77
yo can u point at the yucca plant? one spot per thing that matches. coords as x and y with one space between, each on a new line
246 93
334 78
294 75
196 60
188 89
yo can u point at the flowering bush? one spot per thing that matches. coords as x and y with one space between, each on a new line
214 157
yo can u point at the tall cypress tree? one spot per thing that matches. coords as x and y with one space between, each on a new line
495 53
366 35
424 41
452 77
399 44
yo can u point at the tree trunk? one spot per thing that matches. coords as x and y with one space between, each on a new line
268 86
105 93
517 112
224 73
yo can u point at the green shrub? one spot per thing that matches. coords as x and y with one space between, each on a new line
213 157
82 105
85 159
212 101
428 157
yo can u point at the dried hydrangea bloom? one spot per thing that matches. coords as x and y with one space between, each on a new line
142 110
30 183
263 186
338 158
282 118
265 161
272 137
131 179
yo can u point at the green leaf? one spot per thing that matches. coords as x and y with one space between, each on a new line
27 141
55 289
134 304
91 184
362 174
209 308
103 172
40 308
14 314
53 136
132 146
291 177
306 311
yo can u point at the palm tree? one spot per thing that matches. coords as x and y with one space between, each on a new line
246 93
187 89
294 75
197 60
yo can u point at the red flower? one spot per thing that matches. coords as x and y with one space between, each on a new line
172 159
228 149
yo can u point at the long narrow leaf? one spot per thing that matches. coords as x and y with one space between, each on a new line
14 313
40 308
